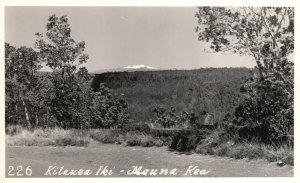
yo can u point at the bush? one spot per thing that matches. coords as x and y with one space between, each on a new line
184 142
267 111
158 142
169 119
108 110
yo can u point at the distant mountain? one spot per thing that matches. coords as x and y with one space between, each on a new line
139 67
127 68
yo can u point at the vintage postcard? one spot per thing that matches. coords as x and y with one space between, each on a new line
148 91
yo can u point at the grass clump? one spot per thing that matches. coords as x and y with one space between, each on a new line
245 150
48 137
133 139
18 136
215 144
140 139
209 145
147 141
13 129
283 153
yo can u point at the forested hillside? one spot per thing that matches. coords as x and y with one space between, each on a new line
214 90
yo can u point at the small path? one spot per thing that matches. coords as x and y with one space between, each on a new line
120 159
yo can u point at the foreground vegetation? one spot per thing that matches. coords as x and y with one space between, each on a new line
211 145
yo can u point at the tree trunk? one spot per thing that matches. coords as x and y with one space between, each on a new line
26 115
36 120
260 68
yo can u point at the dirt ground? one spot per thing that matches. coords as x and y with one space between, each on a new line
44 161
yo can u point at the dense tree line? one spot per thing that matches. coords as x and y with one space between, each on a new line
214 90
129 79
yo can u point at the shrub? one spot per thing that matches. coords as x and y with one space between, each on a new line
169 119
184 142
108 110
267 112
158 142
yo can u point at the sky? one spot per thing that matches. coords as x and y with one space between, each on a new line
116 37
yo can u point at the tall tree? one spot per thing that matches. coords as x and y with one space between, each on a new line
266 34
69 79
21 84
72 102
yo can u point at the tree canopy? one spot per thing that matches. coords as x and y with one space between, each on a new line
265 33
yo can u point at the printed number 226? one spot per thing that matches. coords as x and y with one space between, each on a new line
19 171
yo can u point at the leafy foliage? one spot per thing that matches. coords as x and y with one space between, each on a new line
170 119
23 103
267 34
68 83
267 111
108 111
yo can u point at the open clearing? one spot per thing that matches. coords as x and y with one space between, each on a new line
121 159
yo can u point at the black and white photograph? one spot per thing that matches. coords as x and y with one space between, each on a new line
148 91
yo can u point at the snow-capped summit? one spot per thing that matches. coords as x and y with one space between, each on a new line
128 69
138 67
